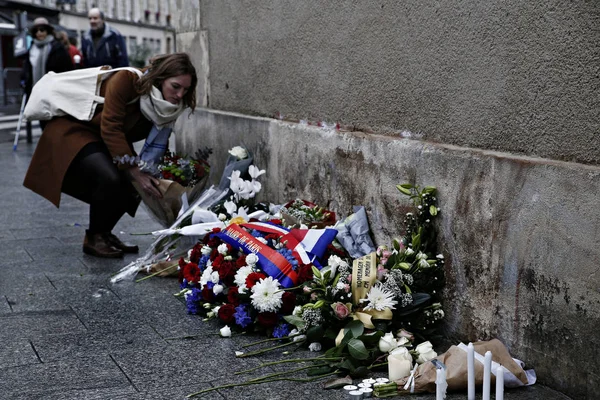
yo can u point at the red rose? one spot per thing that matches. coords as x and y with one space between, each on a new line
232 296
253 278
289 302
208 295
227 272
196 253
217 262
226 312
305 273
191 272
267 319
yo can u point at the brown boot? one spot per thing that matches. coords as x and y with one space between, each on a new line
125 247
97 245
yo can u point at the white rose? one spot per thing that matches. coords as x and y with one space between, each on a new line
403 341
206 250
251 259
225 331
387 343
222 249
425 351
217 289
399 363
222 217
315 346
239 152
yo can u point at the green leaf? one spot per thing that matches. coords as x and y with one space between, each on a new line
315 333
407 186
326 276
371 338
294 320
403 266
403 190
347 364
360 372
356 327
316 272
430 189
320 370
396 244
357 349
433 210
348 335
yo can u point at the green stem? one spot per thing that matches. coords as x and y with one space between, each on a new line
288 361
156 273
254 353
262 378
269 340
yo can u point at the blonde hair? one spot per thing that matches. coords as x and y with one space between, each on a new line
166 66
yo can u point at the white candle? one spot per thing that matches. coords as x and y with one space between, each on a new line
471 371
440 384
500 383
487 372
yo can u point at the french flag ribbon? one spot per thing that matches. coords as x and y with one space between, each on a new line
270 261
297 251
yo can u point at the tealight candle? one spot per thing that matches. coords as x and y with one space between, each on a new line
369 380
487 371
367 392
355 395
364 385
382 380
350 388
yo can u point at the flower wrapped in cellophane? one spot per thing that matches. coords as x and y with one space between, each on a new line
181 181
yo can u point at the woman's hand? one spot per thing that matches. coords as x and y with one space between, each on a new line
148 183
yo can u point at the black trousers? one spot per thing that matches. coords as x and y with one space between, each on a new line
93 178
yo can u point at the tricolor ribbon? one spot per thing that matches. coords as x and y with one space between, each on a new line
270 261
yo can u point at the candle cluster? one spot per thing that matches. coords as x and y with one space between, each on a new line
487 379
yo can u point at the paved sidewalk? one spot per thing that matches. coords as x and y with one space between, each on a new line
67 333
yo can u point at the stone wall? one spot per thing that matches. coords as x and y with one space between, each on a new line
484 90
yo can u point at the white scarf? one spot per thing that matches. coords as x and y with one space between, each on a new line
158 110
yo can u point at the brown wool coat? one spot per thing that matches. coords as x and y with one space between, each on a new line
117 123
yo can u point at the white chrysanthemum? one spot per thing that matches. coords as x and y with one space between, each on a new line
266 295
240 278
222 249
206 250
214 277
379 299
251 259
206 276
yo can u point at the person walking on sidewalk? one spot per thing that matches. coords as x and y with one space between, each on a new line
94 161
103 44
46 54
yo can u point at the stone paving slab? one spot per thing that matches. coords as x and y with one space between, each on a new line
15 352
39 323
54 378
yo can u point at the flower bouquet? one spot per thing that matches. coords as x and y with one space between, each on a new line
181 178
301 212
192 223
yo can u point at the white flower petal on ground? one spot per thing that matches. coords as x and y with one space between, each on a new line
254 172
225 331
379 299
266 295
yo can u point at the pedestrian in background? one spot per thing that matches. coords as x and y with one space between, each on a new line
88 159
73 51
103 44
45 54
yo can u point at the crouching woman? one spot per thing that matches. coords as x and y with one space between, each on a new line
90 160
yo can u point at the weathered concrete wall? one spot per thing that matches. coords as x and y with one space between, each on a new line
513 75
521 234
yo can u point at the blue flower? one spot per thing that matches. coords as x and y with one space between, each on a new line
256 233
202 262
241 316
192 301
287 253
281 330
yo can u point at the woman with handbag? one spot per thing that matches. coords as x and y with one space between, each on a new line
94 160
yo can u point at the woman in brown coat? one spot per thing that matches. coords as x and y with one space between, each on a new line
95 162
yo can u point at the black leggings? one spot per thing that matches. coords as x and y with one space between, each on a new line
93 178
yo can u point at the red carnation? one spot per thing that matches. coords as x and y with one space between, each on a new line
226 312
191 272
217 262
196 253
267 319
232 296
181 266
208 295
241 261
227 272
289 302
305 273
253 278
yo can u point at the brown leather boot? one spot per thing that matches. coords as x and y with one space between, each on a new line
97 245
116 242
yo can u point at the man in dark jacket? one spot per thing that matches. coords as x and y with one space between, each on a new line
102 44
